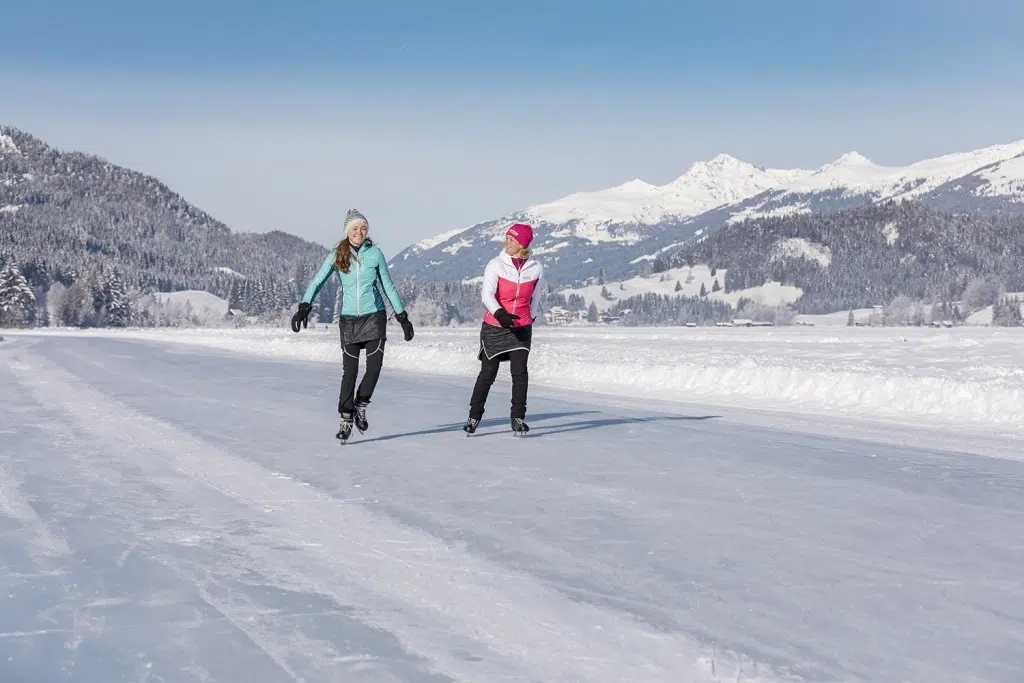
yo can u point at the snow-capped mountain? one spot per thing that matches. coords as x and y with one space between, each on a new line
618 229
956 180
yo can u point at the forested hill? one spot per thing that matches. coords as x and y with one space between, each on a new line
868 255
66 216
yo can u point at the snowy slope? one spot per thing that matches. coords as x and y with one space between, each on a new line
854 176
199 301
705 186
689 280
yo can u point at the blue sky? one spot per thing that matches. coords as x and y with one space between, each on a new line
431 116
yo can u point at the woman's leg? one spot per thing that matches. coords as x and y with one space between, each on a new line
350 368
374 362
520 381
484 380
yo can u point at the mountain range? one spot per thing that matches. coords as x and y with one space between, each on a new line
623 230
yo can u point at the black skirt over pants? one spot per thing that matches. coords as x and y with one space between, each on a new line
498 344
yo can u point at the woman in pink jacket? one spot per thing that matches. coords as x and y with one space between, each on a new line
512 291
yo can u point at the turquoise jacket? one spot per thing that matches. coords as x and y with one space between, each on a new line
361 285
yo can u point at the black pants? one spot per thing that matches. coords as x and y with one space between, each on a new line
489 371
350 368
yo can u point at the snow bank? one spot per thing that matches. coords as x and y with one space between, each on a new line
199 300
935 377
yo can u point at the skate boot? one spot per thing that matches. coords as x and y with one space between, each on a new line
361 424
345 430
470 426
519 427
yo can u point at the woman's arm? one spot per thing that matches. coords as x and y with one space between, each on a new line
489 288
388 284
538 296
326 268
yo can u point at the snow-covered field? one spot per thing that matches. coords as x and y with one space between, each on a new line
690 281
959 380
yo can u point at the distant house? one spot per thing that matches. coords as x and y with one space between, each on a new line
746 322
560 316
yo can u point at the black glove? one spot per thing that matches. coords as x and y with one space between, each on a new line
403 320
302 316
504 318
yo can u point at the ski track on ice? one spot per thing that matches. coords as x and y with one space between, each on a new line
473 619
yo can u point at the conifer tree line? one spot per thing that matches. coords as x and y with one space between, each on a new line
877 254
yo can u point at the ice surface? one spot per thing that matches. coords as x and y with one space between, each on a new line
955 379
174 513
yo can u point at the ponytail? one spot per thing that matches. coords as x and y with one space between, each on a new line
343 254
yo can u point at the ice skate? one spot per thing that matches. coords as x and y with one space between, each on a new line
519 427
361 424
345 430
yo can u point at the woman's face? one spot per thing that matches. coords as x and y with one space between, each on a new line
356 233
512 247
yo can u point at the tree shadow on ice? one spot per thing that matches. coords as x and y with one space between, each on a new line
486 422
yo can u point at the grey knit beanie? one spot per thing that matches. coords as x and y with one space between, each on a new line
352 216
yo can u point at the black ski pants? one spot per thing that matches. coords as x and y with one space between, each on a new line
489 371
349 395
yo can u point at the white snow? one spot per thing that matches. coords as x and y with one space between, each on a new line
770 294
454 248
725 180
794 209
1004 179
10 208
705 185
7 145
853 174
200 301
431 242
891 232
984 316
797 247
229 271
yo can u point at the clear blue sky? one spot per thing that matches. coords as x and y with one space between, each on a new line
434 115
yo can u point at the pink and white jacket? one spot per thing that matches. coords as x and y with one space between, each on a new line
518 291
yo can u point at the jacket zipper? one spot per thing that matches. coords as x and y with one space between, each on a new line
359 293
519 279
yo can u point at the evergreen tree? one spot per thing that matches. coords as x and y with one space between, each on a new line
592 312
17 300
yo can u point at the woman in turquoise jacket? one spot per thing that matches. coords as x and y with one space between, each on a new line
362 271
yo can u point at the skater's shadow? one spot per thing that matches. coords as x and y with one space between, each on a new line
537 432
492 422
